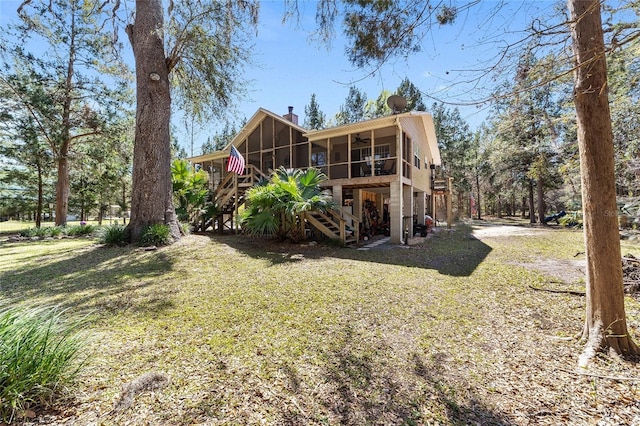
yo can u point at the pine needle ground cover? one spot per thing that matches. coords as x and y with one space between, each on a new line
229 330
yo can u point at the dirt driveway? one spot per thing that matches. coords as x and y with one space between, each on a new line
492 230
566 271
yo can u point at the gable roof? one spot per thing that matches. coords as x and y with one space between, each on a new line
246 130
255 121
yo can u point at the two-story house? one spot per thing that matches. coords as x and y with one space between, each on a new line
380 171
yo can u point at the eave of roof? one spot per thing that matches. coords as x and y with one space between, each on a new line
374 123
216 155
371 124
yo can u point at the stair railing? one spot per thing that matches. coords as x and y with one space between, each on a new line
342 216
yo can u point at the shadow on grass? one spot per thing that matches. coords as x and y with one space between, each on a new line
366 385
471 411
76 278
456 252
356 379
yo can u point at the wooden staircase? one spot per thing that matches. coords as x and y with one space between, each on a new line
333 224
230 194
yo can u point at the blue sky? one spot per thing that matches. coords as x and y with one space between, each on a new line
293 67
290 67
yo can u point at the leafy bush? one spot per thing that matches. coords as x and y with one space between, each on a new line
42 232
38 354
31 232
55 231
113 235
157 234
277 207
28 232
191 194
78 230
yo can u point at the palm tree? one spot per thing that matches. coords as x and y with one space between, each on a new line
276 207
191 195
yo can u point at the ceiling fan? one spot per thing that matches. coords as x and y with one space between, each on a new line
360 140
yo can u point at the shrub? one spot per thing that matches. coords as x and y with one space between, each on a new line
157 234
113 235
33 232
78 230
42 232
28 232
55 231
38 356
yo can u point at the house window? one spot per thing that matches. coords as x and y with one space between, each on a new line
363 156
318 158
416 156
380 152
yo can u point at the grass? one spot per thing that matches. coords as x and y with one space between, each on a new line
17 226
248 332
38 356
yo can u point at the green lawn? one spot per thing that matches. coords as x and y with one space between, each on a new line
250 332
15 226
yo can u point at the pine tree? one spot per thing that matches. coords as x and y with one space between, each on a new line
200 69
65 90
412 94
353 109
314 118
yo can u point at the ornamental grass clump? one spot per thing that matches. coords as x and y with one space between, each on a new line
42 232
113 235
39 348
157 234
79 230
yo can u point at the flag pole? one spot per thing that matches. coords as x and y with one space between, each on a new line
235 201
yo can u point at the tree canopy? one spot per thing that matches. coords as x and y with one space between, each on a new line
314 117
353 109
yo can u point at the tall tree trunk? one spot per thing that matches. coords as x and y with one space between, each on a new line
151 192
40 196
524 207
62 184
605 323
62 190
477 185
123 203
541 204
532 210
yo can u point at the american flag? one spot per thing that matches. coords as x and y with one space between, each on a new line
236 161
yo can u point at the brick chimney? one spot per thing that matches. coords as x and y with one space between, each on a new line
291 116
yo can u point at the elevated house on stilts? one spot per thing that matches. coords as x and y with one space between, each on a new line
381 172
